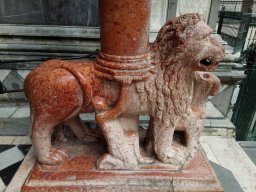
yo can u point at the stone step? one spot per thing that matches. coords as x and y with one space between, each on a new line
15 120
232 166
21 110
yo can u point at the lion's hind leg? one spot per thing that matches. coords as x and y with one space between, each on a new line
81 131
41 132
58 134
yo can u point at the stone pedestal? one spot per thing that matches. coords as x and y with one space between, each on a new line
80 174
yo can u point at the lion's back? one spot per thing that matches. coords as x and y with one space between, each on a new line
42 72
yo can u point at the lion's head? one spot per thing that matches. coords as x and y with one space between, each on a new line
183 45
187 39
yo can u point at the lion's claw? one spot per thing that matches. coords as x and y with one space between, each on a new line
174 155
53 157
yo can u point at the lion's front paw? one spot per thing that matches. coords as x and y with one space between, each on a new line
108 161
192 153
53 157
174 155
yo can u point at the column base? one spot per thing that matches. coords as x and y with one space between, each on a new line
80 174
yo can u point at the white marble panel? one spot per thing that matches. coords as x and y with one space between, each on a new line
194 6
10 157
4 73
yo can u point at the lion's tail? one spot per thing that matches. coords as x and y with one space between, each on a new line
83 80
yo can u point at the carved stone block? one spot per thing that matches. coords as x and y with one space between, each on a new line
79 173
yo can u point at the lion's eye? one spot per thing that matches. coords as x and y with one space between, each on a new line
205 62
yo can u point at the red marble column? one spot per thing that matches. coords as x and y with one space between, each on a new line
124 27
124 56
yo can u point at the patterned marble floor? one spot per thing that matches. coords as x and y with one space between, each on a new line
12 152
233 167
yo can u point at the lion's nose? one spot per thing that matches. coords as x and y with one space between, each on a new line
206 75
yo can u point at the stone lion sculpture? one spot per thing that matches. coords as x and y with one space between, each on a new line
172 96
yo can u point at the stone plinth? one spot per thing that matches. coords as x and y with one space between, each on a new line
80 174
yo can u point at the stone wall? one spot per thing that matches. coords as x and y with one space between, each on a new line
194 6
13 80
33 31
34 44
50 12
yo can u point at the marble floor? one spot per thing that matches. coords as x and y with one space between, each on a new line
232 165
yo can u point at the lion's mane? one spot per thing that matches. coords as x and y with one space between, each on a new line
166 91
